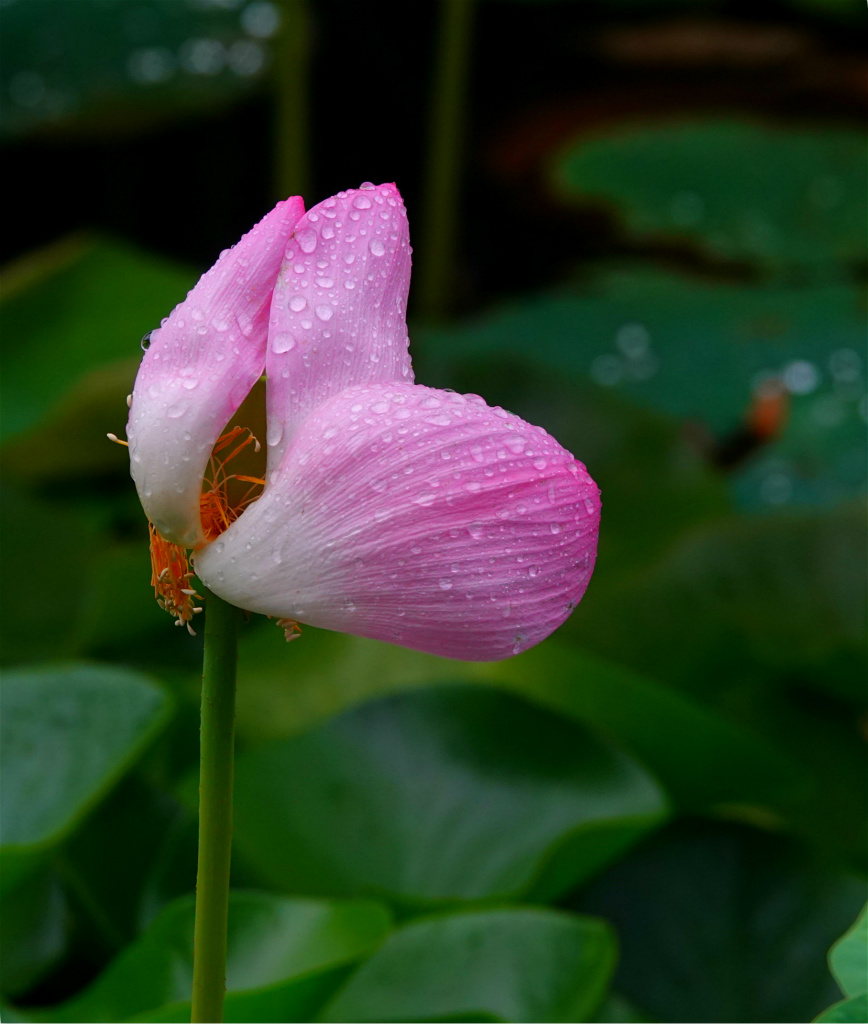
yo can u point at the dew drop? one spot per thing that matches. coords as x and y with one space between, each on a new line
297 303
362 203
274 434
324 312
306 240
377 247
282 342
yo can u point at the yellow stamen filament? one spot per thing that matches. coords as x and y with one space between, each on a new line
117 440
291 629
170 578
170 573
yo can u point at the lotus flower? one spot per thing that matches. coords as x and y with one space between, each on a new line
388 509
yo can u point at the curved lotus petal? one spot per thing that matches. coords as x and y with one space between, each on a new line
338 317
200 365
417 516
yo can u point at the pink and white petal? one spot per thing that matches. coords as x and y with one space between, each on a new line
338 317
199 367
420 517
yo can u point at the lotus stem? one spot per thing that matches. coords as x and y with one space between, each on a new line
217 750
443 170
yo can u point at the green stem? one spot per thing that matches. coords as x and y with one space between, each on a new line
215 809
435 279
290 74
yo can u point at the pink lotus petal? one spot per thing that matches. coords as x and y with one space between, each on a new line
338 318
200 366
420 517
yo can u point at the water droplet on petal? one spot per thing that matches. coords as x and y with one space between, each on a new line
306 240
297 303
377 247
362 203
324 312
274 433
282 342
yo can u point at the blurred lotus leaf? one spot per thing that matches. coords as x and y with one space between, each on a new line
779 197
734 928
69 733
510 964
103 66
697 351
76 346
445 794
285 957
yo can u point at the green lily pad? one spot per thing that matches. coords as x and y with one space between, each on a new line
848 962
452 793
618 1010
847 1011
284 958
780 197
682 742
724 923
49 577
101 67
781 595
677 738
68 734
690 349
848 958
73 308
133 855
510 964
34 932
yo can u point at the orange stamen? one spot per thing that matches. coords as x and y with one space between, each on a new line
170 573
214 508
291 629
170 578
